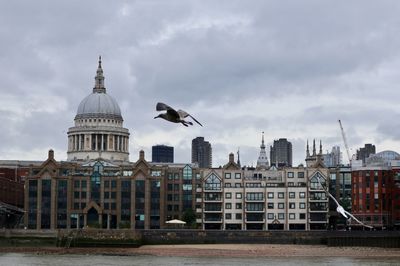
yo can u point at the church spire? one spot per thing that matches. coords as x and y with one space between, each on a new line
262 161
238 160
99 79
313 150
320 146
308 150
262 141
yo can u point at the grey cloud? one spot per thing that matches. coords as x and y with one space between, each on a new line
325 54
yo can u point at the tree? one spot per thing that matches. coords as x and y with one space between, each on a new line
189 216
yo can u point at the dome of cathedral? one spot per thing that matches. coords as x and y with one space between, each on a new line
98 104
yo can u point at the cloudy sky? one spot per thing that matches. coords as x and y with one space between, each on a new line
288 68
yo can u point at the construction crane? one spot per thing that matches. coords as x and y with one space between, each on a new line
345 141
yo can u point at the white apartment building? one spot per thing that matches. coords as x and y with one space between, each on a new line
263 199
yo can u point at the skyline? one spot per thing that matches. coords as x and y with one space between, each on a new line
290 70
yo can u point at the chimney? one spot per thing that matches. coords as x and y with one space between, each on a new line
231 158
51 155
141 155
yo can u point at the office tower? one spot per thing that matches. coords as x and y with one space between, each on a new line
281 153
364 153
201 152
162 154
332 159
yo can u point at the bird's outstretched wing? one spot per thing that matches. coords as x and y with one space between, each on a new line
358 221
327 192
172 113
342 211
185 114
163 107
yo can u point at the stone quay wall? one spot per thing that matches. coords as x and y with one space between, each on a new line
134 238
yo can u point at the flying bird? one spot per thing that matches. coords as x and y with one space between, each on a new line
174 116
340 208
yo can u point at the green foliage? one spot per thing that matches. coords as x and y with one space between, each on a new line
189 216
125 225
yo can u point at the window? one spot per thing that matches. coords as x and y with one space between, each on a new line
212 183
292 205
176 197
302 205
255 196
76 195
300 174
187 173
290 175
227 184
270 205
238 206
76 183
281 205
281 216
83 195
228 216
228 206
302 195
113 183
238 185
270 195
292 216
113 195
281 195
302 216
292 195
170 177
238 195
228 195
238 176
106 184
270 216
106 195
227 175
169 187
83 184
238 216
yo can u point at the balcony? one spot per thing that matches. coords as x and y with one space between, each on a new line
255 200
253 221
255 211
212 218
255 218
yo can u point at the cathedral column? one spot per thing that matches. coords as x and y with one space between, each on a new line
102 142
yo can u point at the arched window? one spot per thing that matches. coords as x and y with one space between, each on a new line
95 181
212 183
314 183
187 173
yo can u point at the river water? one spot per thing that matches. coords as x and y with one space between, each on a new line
9 259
